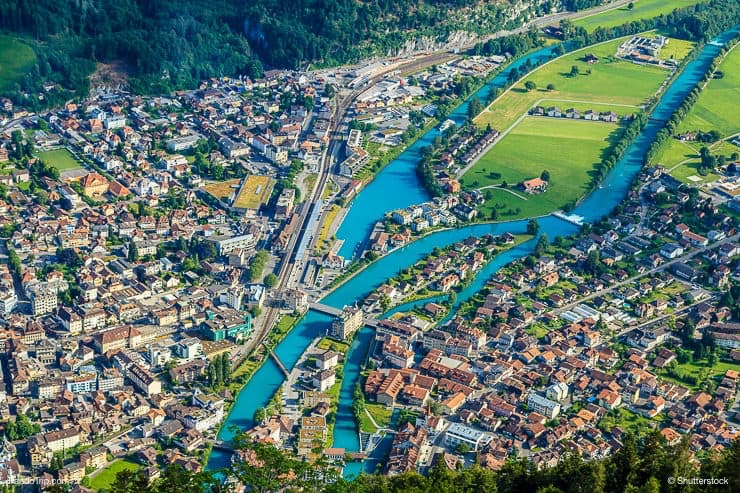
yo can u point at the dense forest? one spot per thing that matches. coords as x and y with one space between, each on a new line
167 45
176 44
648 465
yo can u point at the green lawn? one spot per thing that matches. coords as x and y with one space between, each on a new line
568 149
105 478
627 420
611 81
16 59
677 49
61 159
674 151
714 108
689 173
380 413
643 9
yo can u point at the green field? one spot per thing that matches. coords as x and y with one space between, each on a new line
16 59
677 49
611 81
61 159
105 478
568 149
643 9
714 108
674 152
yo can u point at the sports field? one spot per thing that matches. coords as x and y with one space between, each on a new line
61 159
610 81
642 9
567 149
222 190
16 59
255 192
717 106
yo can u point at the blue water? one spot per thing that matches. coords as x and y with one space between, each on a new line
397 185
268 378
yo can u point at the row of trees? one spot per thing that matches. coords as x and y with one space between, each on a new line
219 371
671 126
258 264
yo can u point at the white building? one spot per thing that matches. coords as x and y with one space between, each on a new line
542 405
458 433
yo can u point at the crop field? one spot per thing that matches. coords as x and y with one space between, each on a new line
61 159
16 59
255 192
223 189
643 9
714 108
567 149
611 81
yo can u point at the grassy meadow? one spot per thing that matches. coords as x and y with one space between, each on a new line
567 149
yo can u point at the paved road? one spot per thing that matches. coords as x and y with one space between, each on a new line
660 268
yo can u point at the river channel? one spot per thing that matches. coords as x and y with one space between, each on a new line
397 186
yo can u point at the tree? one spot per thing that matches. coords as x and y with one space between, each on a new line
129 481
474 108
541 246
574 70
14 260
545 175
494 214
225 368
270 280
272 470
530 85
42 197
592 264
533 227
462 448
631 5
133 251
176 479
551 87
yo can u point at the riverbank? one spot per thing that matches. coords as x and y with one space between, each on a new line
600 202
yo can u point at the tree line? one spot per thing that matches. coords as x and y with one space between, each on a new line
644 465
671 125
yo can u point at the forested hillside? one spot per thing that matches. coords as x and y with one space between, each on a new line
174 44
170 44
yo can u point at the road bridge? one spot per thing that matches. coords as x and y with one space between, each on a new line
335 312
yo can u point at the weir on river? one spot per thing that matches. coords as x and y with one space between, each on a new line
397 186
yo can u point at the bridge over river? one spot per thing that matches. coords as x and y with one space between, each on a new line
335 312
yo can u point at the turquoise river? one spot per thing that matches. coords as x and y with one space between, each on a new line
397 186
